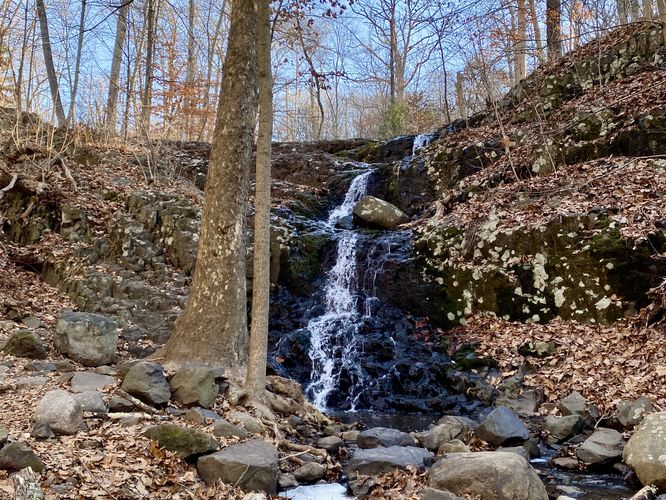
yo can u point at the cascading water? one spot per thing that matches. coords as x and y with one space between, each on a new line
328 354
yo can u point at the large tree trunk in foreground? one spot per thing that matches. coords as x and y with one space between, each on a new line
213 327
256 367
48 62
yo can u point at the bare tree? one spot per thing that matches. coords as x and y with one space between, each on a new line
116 64
77 64
553 28
48 62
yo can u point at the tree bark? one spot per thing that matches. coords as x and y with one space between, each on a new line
647 9
116 64
462 108
521 52
537 31
553 29
256 369
189 73
213 327
48 62
146 100
77 64
622 11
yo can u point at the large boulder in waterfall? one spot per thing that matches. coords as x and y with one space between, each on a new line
502 426
375 461
383 436
491 475
90 339
372 211
646 450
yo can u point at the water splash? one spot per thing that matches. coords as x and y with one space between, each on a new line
423 140
356 191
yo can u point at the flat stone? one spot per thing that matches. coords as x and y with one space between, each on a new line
384 436
252 465
453 446
120 405
447 429
250 423
87 381
330 443
375 461
566 463
201 416
31 382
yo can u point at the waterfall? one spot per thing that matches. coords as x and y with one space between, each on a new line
423 140
333 335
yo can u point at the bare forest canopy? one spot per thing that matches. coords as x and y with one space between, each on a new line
347 68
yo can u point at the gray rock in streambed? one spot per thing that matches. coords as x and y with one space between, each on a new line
502 426
375 461
384 436
603 447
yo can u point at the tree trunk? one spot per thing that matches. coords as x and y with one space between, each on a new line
189 73
647 9
213 327
256 368
622 11
116 64
48 62
462 109
553 29
635 10
521 52
77 64
146 100
537 31
661 8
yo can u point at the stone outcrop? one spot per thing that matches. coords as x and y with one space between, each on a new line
646 450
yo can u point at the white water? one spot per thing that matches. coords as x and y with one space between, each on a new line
327 346
356 191
422 140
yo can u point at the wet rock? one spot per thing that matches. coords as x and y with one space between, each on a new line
490 475
92 401
453 446
632 413
645 450
375 461
18 456
195 384
562 428
383 436
183 441
447 429
375 212
26 344
201 416
86 381
60 411
250 423
222 428
90 339
603 447
309 472
146 381
502 426
285 387
566 463
330 443
252 466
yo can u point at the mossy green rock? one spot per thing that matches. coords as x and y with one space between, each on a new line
18 456
25 344
183 441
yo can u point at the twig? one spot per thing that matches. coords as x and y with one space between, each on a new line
68 174
11 184
96 481
304 448
247 467
294 455
136 402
